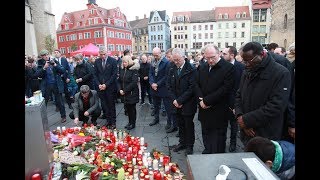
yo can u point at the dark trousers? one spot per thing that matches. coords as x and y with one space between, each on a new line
233 127
186 129
145 87
108 105
66 95
167 106
94 116
214 139
132 113
53 88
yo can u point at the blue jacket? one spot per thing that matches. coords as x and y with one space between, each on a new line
160 79
289 159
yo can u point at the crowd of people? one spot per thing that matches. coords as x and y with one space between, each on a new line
251 88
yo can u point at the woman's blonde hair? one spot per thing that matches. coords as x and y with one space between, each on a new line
127 59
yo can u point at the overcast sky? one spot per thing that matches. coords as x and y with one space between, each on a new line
133 8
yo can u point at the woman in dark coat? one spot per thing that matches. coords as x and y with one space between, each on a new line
128 88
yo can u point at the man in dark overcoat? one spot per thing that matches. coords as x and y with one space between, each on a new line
214 84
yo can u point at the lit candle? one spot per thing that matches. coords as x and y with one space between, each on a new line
161 172
142 141
149 159
136 173
59 129
155 164
63 128
161 158
134 161
166 169
151 175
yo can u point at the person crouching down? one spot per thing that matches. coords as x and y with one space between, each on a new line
86 104
128 88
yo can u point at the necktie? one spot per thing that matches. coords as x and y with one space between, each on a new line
210 68
179 70
103 63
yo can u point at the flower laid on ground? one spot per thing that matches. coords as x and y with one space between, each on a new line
110 154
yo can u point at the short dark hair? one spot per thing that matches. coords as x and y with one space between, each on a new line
283 50
254 46
57 50
232 50
272 46
262 147
125 52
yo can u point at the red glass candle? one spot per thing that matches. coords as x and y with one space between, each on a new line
129 157
166 160
36 176
130 171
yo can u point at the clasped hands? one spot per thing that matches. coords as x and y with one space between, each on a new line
248 131
176 104
202 104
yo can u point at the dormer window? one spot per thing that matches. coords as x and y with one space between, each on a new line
238 15
220 16
91 11
82 16
225 16
244 15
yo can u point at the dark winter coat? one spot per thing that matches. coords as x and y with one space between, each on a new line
108 75
83 71
128 79
160 79
94 103
181 88
262 99
215 88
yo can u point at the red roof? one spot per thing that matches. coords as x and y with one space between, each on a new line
83 16
261 4
232 11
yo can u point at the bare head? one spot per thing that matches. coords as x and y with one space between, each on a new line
156 52
211 54
178 56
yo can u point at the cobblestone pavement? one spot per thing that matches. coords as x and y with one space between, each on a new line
155 136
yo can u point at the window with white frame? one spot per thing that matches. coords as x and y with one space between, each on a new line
219 35
153 45
73 37
234 44
63 50
95 20
199 36
205 27
61 38
226 44
160 45
199 27
87 35
242 34
234 34
67 26
158 37
220 16
211 26
205 35
219 45
161 37
97 34
67 38
244 14
110 47
194 27
234 25
225 16
68 49
227 35
219 25
91 11
186 36
211 35
263 29
238 15
255 29
90 21
160 27
152 37
243 25
227 25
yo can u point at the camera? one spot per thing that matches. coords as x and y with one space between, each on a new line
51 62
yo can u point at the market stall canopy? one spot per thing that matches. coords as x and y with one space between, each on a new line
88 50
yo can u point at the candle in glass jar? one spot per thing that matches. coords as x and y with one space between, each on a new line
63 128
149 159
142 141
155 164
166 160
134 161
136 173
59 129
151 175
161 172
166 168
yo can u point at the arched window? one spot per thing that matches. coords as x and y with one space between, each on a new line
285 21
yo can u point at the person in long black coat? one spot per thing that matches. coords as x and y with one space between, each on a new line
180 84
262 96
214 84
82 72
128 88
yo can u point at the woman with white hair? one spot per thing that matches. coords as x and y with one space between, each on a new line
128 88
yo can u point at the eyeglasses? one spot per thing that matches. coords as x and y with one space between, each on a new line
251 59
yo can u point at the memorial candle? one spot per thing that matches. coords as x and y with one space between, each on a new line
142 141
155 164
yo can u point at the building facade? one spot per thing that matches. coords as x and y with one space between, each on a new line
140 35
180 31
39 25
97 25
261 21
159 31
282 29
233 26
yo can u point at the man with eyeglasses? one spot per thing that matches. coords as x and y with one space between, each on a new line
86 104
215 81
263 94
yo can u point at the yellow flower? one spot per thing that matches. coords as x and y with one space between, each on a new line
112 163
105 173
81 134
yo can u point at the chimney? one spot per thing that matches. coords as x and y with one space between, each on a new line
145 16
137 17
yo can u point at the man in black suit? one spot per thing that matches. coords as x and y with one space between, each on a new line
229 55
65 77
105 72
180 84
215 81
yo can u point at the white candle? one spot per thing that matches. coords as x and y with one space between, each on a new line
142 141
155 164
149 159
166 168
134 161
161 158
58 129
63 128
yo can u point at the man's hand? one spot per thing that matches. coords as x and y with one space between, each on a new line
292 132
79 80
86 113
176 104
154 86
102 87
145 78
121 92
67 80
76 120
203 105
249 132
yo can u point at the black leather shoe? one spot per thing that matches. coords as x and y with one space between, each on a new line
189 150
154 122
179 147
177 135
172 129
232 147
167 127
131 126
127 125
206 151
